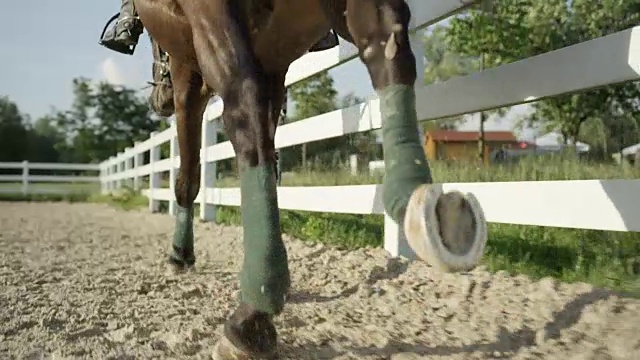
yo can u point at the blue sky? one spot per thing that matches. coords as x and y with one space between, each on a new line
46 43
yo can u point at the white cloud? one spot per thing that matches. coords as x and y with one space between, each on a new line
110 71
129 72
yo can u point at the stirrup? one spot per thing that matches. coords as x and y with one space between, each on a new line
326 42
124 49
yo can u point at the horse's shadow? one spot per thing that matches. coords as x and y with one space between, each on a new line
394 268
506 344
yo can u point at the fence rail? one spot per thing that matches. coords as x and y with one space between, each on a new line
25 179
587 204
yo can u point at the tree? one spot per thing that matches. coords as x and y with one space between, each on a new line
20 141
123 116
517 29
103 120
356 142
314 96
44 138
361 144
14 138
443 64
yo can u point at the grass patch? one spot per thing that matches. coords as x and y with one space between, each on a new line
71 197
346 231
124 198
51 187
539 168
48 192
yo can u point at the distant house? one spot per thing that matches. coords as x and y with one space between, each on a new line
553 141
463 145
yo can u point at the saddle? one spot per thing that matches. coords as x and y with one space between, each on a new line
326 43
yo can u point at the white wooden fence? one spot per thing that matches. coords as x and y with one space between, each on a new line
26 179
588 204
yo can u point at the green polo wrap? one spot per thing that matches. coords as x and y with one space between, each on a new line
183 236
264 280
405 162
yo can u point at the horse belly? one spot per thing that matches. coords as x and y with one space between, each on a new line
294 26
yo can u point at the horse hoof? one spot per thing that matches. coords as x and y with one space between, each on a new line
448 231
248 334
225 350
175 267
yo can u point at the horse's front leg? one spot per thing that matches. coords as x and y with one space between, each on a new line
446 230
229 66
190 99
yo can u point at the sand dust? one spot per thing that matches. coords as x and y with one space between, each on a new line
88 281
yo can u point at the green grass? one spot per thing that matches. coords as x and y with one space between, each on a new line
71 197
603 258
126 200
531 169
69 192
57 187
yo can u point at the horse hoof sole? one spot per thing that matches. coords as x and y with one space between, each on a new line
448 231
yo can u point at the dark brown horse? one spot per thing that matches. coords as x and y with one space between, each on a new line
242 50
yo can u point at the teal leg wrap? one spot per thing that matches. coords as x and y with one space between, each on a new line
405 162
183 237
265 280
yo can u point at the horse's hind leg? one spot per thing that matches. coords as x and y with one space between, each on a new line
190 101
447 230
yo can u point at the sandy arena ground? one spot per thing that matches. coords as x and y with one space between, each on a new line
88 281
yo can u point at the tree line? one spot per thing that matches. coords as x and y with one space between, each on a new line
607 118
102 120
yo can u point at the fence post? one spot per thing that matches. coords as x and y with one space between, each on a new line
25 177
207 169
116 171
103 176
417 46
119 169
112 171
154 177
137 162
128 165
395 242
107 180
353 164
281 120
174 151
